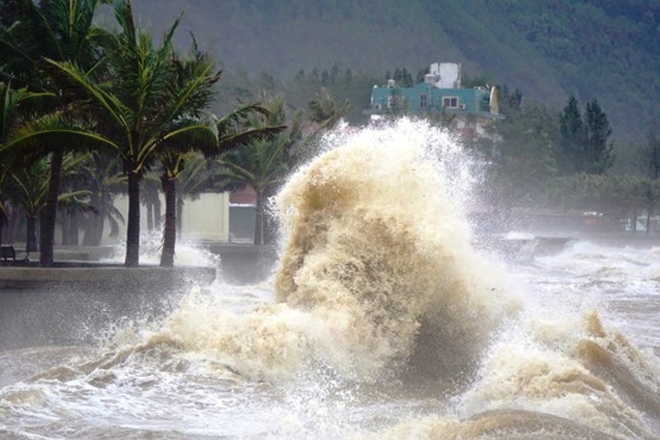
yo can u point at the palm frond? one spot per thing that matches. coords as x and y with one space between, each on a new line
76 201
114 217
252 135
54 131
83 89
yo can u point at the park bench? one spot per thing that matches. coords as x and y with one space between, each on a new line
8 256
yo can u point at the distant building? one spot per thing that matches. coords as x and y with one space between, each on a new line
242 214
440 94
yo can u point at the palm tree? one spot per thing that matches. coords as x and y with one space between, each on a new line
15 108
104 180
233 133
177 153
27 187
325 111
60 30
150 199
174 165
264 163
140 104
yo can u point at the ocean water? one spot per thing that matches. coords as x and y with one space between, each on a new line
380 321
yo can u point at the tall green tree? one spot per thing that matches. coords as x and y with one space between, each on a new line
646 195
649 154
573 137
598 154
139 104
60 30
521 151
264 163
183 164
227 133
585 139
16 107
325 111
175 152
105 179
28 188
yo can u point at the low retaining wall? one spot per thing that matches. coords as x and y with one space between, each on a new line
103 277
78 305
240 263
77 302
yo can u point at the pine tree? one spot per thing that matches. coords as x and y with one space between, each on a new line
585 145
598 149
650 154
572 138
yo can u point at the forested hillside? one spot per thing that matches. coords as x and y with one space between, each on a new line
604 49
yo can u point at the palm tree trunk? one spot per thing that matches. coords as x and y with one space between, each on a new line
3 222
133 227
179 215
31 236
12 224
169 230
49 212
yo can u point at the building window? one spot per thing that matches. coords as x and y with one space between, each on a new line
422 101
450 102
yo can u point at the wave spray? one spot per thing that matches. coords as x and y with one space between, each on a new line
380 321
377 247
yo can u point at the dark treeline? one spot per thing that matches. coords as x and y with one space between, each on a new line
565 160
341 82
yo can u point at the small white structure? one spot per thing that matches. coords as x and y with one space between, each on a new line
206 218
444 75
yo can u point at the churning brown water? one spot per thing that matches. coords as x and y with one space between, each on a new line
380 321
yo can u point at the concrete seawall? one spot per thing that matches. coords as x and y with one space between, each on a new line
79 305
81 300
239 263
103 277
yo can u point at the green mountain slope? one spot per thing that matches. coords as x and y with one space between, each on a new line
605 49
